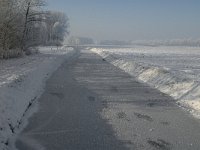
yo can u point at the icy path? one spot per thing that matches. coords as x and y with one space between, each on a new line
172 70
21 82
89 104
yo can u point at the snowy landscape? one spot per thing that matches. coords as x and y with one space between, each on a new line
22 81
99 75
172 70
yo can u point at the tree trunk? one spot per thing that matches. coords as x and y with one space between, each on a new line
25 26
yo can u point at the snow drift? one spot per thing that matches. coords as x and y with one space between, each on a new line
182 88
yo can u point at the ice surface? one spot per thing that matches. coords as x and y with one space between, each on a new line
172 70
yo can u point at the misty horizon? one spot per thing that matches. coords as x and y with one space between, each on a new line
131 19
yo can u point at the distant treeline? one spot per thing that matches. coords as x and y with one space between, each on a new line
173 42
114 42
80 41
25 24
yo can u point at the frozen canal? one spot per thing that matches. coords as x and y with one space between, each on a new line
174 71
89 104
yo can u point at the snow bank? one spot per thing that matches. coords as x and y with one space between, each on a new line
180 86
21 83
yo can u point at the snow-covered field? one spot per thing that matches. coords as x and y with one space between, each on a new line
22 81
172 70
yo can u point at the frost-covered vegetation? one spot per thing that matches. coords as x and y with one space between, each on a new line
25 24
22 81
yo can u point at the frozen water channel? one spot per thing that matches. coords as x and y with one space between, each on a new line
172 70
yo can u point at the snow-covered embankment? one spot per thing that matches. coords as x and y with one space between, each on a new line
182 88
22 81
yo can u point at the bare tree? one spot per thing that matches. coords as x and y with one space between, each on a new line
9 27
31 12
24 24
57 26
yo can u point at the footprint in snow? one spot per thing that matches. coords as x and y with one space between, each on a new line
142 116
91 98
159 144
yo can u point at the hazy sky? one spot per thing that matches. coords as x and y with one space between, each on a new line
132 19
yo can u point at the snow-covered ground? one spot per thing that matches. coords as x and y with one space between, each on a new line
22 81
172 70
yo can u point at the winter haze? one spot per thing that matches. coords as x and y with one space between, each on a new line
132 19
99 74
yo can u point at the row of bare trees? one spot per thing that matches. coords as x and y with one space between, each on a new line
25 24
